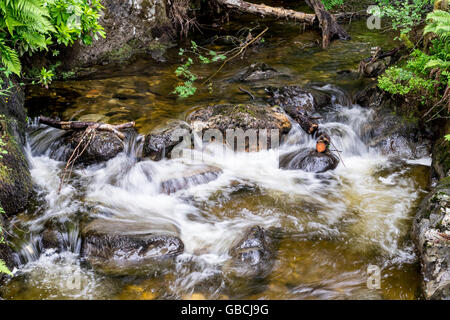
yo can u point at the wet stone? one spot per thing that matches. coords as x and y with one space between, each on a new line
160 142
309 160
128 249
253 254
191 178
292 99
257 72
102 147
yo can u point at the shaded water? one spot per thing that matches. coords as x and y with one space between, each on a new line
330 227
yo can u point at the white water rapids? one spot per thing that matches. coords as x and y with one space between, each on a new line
355 206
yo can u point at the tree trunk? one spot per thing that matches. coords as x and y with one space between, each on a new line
327 22
262 9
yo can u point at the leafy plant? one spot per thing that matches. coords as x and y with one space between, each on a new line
427 72
45 77
3 267
329 4
447 137
404 14
27 26
183 72
438 23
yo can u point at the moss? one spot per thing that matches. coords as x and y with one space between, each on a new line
125 52
233 111
15 178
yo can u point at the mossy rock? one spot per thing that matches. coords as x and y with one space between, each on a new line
240 116
15 178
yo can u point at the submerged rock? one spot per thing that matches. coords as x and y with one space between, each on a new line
128 248
431 232
309 160
257 72
242 116
292 99
159 143
190 178
253 254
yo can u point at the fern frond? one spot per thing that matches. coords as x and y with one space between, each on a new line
438 23
10 58
4 268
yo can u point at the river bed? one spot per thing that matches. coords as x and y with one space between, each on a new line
329 227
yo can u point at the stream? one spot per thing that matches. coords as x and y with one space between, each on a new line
329 227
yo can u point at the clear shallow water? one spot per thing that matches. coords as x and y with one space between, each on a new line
330 226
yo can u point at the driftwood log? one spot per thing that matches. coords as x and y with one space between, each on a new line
80 125
326 21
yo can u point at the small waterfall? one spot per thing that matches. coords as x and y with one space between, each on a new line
204 199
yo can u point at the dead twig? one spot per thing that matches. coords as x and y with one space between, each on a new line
243 47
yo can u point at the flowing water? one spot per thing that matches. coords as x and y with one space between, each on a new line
329 227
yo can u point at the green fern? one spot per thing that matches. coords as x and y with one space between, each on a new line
28 26
439 24
10 58
4 268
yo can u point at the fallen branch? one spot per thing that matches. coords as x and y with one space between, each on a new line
80 125
306 122
327 22
89 134
243 47
263 10
247 92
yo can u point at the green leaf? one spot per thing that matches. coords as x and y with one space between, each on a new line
4 268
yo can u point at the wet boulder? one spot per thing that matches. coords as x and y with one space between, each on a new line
257 72
225 117
394 136
52 239
309 160
190 178
388 131
253 254
431 232
16 185
124 248
103 146
292 99
159 143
